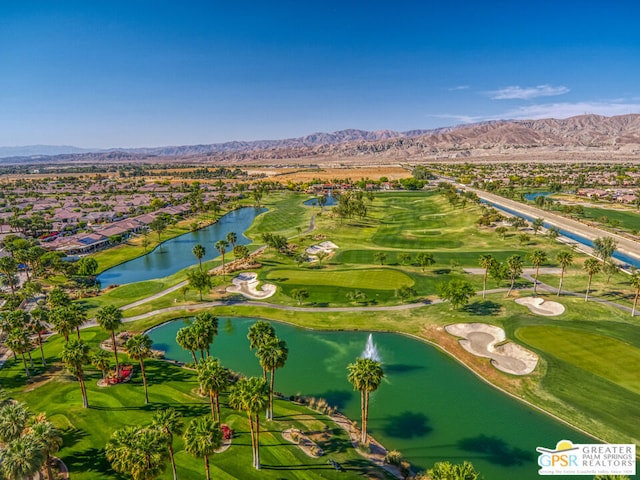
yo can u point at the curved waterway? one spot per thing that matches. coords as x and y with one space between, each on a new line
173 255
429 406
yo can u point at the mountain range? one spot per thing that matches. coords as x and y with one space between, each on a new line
586 134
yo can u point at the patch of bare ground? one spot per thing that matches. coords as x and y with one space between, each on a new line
39 380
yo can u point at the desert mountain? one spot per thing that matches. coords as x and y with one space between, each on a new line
592 136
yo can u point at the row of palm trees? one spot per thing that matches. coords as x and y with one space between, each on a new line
514 265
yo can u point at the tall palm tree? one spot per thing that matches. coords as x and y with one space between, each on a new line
169 422
101 360
21 458
13 420
199 252
214 379
18 341
537 257
591 266
201 439
514 266
75 354
9 267
137 451
48 437
109 318
206 328
139 347
259 333
77 316
63 320
251 395
273 354
485 262
232 238
635 283
564 258
37 326
366 376
187 339
221 246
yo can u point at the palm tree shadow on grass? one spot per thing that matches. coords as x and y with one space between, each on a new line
484 308
496 450
407 425
71 436
91 460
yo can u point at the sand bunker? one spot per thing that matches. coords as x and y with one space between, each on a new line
482 340
247 284
326 247
538 306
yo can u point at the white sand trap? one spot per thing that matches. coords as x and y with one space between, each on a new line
539 306
327 247
482 340
247 284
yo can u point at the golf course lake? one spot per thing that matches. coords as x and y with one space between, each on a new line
176 254
429 407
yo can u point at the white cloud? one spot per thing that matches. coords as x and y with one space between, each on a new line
527 93
459 87
565 110
458 118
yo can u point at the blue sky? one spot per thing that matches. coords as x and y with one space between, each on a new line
149 73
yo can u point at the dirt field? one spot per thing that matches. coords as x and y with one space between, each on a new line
283 175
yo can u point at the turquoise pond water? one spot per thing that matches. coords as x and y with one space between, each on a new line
173 255
429 406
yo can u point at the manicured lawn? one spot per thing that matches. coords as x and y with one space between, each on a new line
86 431
591 352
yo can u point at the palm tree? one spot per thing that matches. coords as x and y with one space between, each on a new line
38 325
366 376
77 317
48 437
100 360
139 347
538 257
635 283
591 266
137 451
62 320
448 471
9 267
109 318
18 341
206 328
221 246
485 262
232 238
564 258
201 439
273 354
13 420
168 421
259 333
213 378
199 281
514 266
75 354
187 339
251 395
199 252
21 458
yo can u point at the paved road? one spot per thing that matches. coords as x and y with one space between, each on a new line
626 246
